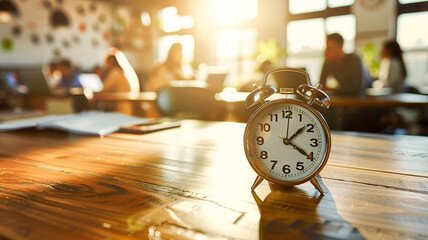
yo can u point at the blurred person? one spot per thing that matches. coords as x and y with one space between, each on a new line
348 70
392 71
52 73
162 74
69 74
120 77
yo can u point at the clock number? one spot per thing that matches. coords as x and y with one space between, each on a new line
310 156
311 127
264 127
300 117
286 169
263 154
300 166
274 163
314 142
287 114
260 140
273 117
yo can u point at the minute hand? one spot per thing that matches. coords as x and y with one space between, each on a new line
297 133
308 156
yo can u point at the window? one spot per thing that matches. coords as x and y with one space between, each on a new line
171 22
172 25
412 35
309 23
235 49
233 11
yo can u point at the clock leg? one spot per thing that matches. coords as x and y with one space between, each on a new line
257 182
316 182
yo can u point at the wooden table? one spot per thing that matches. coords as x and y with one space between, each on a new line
194 183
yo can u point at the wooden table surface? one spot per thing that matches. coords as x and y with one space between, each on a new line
194 182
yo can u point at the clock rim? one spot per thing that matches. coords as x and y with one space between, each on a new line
285 182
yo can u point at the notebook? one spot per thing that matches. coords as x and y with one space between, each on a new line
93 123
91 81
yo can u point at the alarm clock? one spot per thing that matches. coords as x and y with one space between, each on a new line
287 141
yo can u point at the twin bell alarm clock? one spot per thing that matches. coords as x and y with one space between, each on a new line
287 141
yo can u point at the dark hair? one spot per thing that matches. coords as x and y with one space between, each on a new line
113 59
335 37
395 50
66 63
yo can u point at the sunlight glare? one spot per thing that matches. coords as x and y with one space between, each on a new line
233 11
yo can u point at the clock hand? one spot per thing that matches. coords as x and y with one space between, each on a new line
297 133
308 156
286 141
288 126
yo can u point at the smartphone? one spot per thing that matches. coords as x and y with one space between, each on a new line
149 127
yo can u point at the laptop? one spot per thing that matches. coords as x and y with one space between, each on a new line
215 81
9 81
35 81
91 81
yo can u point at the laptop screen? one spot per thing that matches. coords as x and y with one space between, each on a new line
91 81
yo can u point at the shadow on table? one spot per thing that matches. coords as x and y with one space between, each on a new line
294 213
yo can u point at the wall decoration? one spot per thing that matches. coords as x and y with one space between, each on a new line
93 7
96 27
47 4
76 39
16 31
66 44
102 18
106 36
57 52
80 10
32 25
50 38
95 43
82 27
59 19
35 39
7 45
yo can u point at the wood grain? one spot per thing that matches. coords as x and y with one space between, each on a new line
194 182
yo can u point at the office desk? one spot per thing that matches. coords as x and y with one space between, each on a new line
126 96
194 182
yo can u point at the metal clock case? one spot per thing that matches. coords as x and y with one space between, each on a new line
286 141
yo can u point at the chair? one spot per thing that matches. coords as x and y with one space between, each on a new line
189 102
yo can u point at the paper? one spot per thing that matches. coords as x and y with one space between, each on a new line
87 123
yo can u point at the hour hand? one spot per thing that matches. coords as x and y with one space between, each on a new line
300 130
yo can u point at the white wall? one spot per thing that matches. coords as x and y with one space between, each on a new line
34 20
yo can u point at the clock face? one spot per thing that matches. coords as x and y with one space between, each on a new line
286 142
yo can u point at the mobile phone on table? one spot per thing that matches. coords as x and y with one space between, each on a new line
153 126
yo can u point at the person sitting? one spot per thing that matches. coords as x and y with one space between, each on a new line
392 70
348 70
162 74
69 75
120 77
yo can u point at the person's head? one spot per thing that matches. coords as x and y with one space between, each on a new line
175 55
334 47
391 49
65 67
112 62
